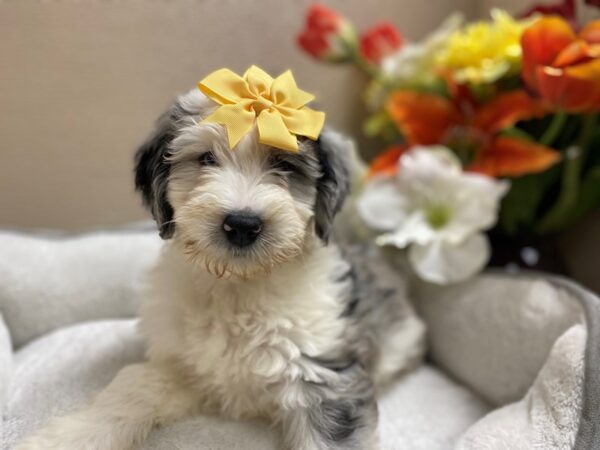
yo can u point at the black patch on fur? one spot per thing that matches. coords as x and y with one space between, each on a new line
332 186
365 293
152 170
350 273
352 296
337 420
351 306
337 365
343 411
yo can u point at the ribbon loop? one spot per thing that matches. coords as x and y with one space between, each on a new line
276 106
259 81
224 87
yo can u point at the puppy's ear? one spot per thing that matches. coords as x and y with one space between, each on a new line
334 183
152 170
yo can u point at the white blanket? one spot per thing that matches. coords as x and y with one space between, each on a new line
60 371
492 334
49 283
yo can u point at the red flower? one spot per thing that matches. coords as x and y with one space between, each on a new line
566 9
326 35
561 66
379 41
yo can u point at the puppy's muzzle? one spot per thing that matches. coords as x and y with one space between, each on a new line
242 228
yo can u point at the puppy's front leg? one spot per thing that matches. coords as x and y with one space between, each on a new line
140 396
342 418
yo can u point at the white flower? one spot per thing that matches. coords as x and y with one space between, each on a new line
436 210
413 61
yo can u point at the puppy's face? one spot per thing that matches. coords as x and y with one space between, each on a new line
242 211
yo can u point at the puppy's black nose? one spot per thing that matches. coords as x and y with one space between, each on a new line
242 228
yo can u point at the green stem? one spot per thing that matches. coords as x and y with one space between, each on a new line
364 65
559 215
554 129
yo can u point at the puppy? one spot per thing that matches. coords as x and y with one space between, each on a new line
249 312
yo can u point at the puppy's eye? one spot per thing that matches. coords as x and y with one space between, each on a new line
207 159
284 166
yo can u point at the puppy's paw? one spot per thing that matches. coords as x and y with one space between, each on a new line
42 442
64 435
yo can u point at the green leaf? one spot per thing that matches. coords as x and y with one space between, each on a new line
375 124
589 196
521 206
380 125
516 132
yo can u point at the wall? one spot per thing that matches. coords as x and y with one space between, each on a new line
82 82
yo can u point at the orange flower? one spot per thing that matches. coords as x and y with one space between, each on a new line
561 66
386 163
470 130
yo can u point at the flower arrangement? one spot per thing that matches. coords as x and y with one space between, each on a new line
491 125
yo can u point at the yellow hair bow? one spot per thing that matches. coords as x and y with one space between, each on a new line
276 105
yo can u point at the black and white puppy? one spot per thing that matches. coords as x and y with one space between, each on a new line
249 312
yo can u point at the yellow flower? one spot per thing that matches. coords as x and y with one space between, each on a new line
485 51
